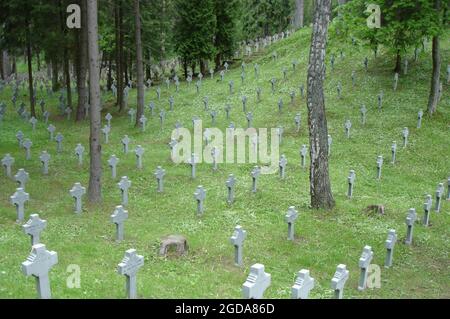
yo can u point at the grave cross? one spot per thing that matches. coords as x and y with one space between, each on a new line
33 122
19 137
405 134
419 118
379 166
231 85
348 125
390 244
27 146
427 210
18 199
124 185
118 217
214 155
231 181
132 113
112 162
395 81
193 162
258 94
162 116
44 158
303 152
59 138
200 195
206 102
351 181
282 166
249 117
280 105
68 111
21 177
439 194
172 144
79 151
255 174
244 103
338 281
159 174
410 220
143 121
171 102
393 151
125 141
364 262
227 110
297 120
108 118
290 218
51 129
128 267
257 282
380 100
292 95
139 151
272 83
363 111
33 227
38 264
77 192
303 285
213 115
237 240
7 162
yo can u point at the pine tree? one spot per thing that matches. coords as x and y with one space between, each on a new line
226 33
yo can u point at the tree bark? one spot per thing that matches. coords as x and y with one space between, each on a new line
55 82
95 171
109 77
299 13
320 187
139 63
66 69
435 75
82 65
398 63
30 70
120 66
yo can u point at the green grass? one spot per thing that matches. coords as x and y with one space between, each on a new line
323 239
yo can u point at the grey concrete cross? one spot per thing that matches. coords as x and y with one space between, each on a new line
18 199
108 118
364 263
410 220
33 122
118 217
125 142
59 138
290 218
38 264
257 282
105 130
351 181
143 122
45 159
27 146
405 134
33 227
7 163
79 151
230 183
129 267
282 166
338 281
393 152
363 111
237 240
439 194
390 244
419 118
297 120
379 166
21 178
132 113
124 185
348 125
51 129
193 162
303 152
159 174
427 210
303 285
112 162
199 196
77 192
255 174
139 151
215 154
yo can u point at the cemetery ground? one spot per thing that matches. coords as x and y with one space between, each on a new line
322 239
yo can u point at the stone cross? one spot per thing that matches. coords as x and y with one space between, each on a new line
108 118
290 218
128 267
124 185
348 125
159 174
427 209
214 155
158 92
249 119
439 194
38 264
255 174
200 195
380 100
237 240
125 142
363 111
118 217
77 192
206 102
27 146
364 263
106 129
292 95
18 199
193 162
410 220
405 134
222 75
226 66
143 121
419 118
395 81
282 166
33 122
22 178
390 244
213 114
44 158
256 67
280 131
173 144
272 83
198 84
280 105
79 151
162 116
297 120
242 77
231 85
132 113
244 103
7 162
151 106
33 227
393 151
351 181
59 138
379 166
302 90
303 152
231 181
257 282
211 73
51 129
139 151
405 70
258 94
171 102
303 285
330 141
68 111
112 162
339 89
338 281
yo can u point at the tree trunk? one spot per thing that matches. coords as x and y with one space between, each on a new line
435 76
185 67
95 171
82 65
30 71
320 188
38 61
109 78
120 67
299 13
55 82
67 78
125 68
139 63
398 63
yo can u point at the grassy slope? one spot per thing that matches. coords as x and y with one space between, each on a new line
323 239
